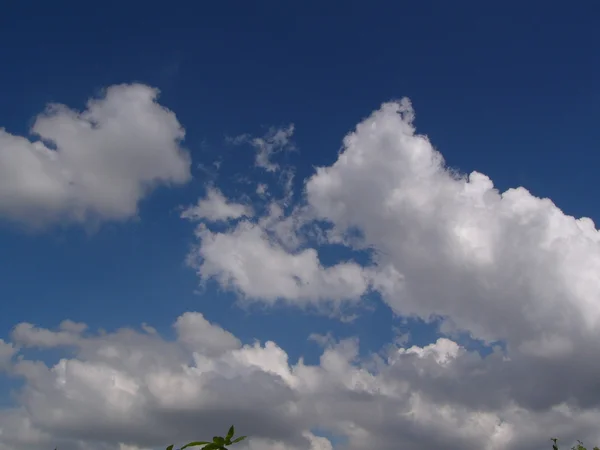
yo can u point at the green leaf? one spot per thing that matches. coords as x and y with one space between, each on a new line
211 446
192 444
230 434
219 440
241 438
170 447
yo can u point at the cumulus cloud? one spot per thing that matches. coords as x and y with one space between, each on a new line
504 267
507 267
251 262
446 242
91 166
130 389
501 267
137 390
215 207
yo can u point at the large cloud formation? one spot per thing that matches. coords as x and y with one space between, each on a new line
506 268
502 267
134 390
91 166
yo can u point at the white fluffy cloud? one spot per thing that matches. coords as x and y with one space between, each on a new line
130 389
255 264
91 166
502 267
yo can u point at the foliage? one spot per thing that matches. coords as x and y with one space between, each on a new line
579 445
218 442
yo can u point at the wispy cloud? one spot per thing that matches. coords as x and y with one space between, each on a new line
274 141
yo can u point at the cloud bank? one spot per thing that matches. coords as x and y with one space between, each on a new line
134 389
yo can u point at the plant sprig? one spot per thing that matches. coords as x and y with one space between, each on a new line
579 445
218 442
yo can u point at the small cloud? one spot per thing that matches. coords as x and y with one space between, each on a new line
92 166
250 261
261 189
216 208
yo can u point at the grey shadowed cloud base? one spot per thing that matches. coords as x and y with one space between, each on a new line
503 267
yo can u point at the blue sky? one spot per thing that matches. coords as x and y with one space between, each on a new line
509 92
